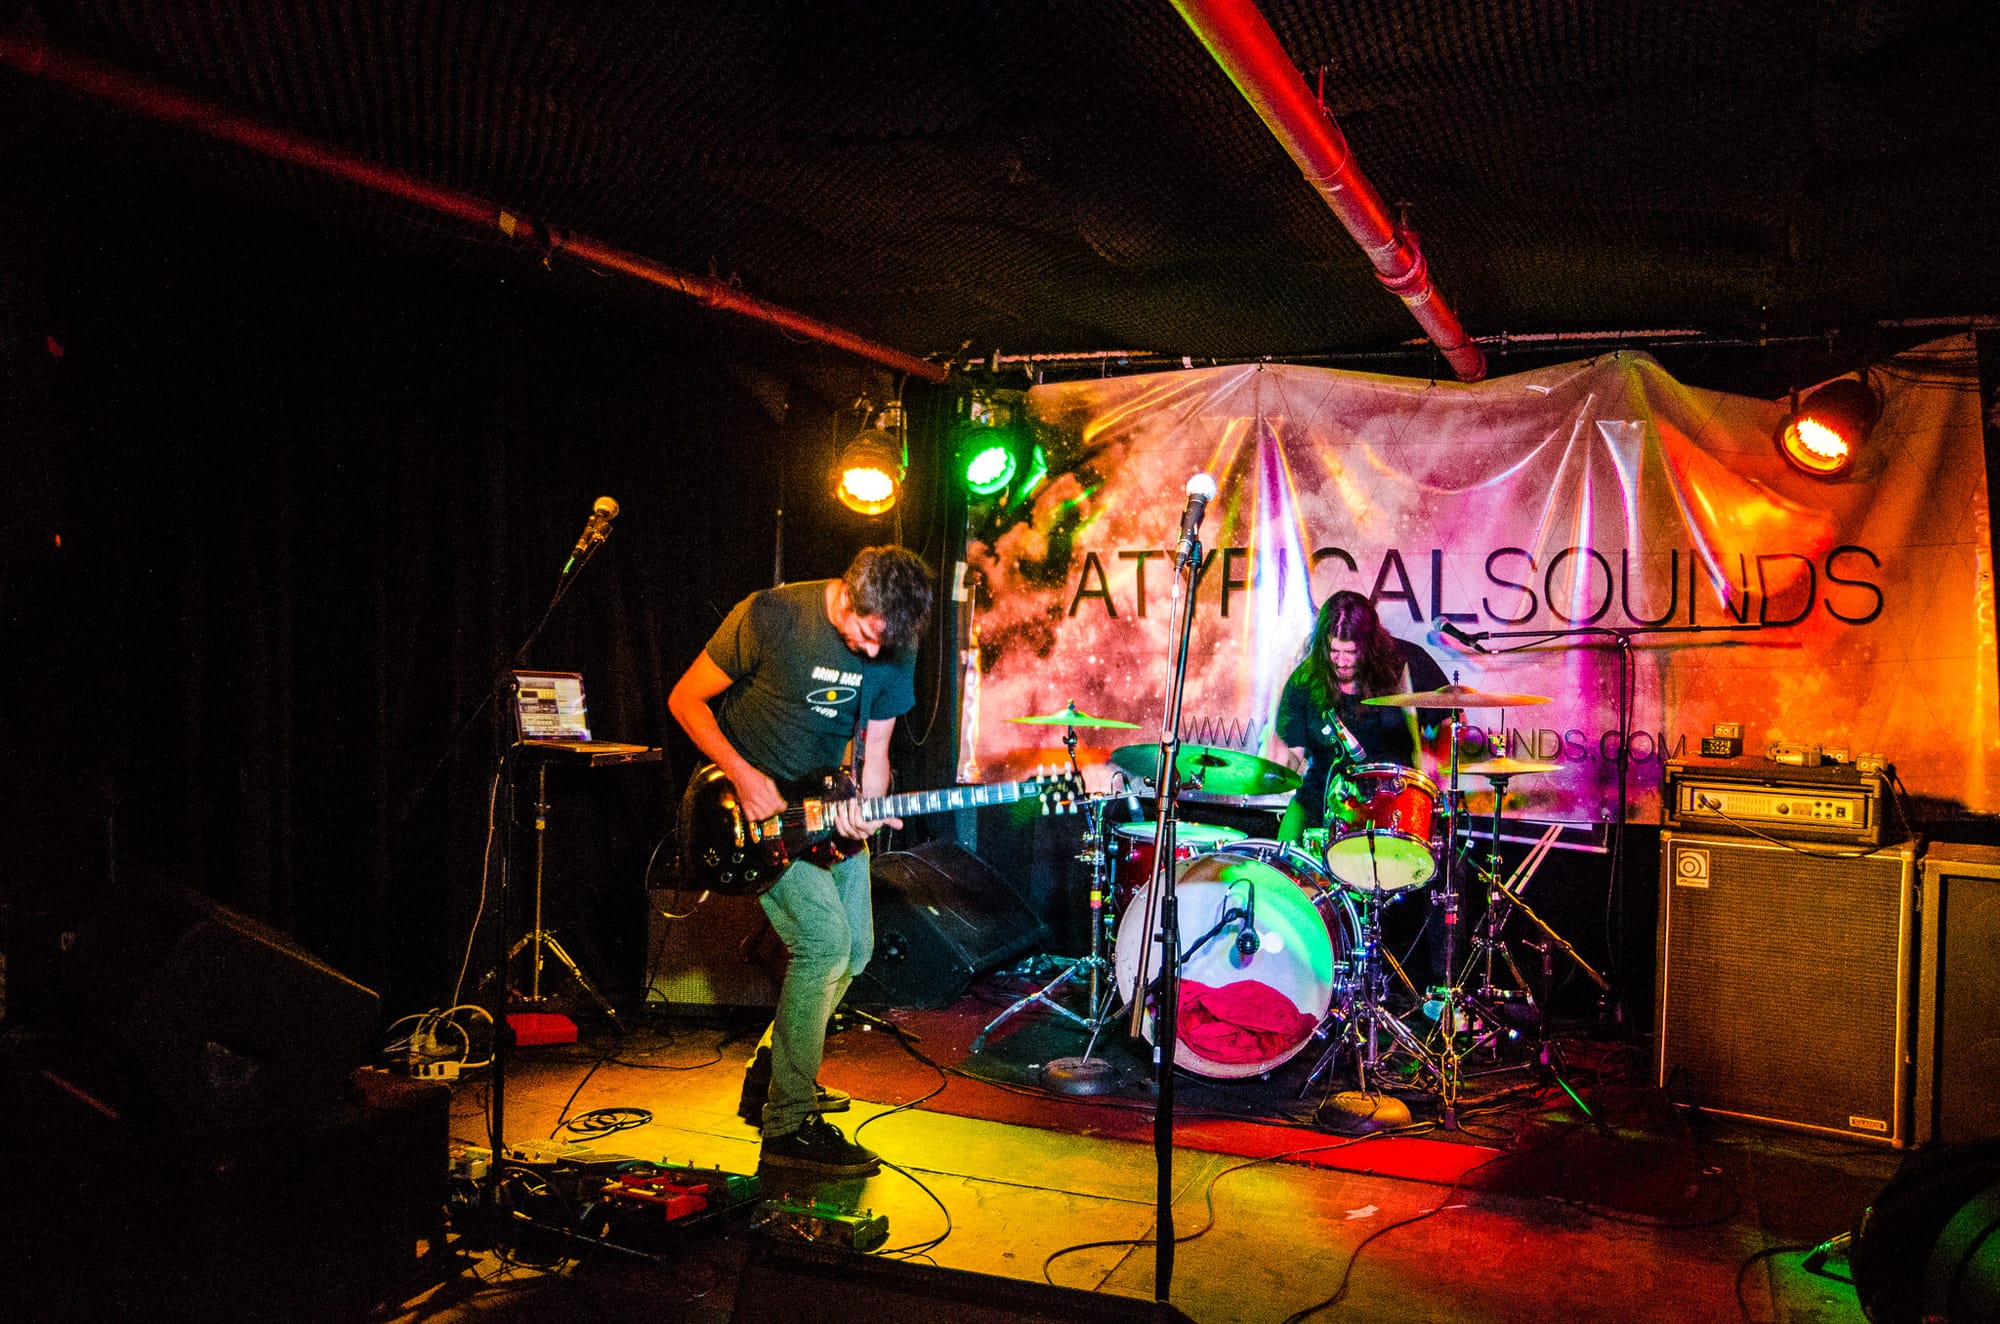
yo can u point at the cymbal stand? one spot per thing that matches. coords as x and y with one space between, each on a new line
1094 966
1489 941
1548 1057
1547 1063
1451 1015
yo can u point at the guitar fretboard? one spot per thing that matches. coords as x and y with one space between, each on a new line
913 803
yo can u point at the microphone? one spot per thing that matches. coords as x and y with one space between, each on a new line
1200 491
1247 941
595 530
1347 738
1446 628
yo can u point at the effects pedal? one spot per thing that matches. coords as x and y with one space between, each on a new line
828 1225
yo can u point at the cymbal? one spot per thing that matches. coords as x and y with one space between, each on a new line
1071 715
1222 771
1507 767
1456 696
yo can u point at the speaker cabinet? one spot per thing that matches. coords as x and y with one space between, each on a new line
228 1023
1784 983
805 1284
719 953
1957 1038
943 918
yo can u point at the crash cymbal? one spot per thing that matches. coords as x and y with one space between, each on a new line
1071 715
1456 696
1222 771
1507 768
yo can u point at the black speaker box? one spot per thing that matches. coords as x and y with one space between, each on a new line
803 1284
1957 1037
943 918
226 1022
719 953
1783 991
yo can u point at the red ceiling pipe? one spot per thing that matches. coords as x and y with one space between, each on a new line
130 92
1242 42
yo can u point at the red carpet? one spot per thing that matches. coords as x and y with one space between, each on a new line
873 1065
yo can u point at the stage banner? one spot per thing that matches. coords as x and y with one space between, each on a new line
1633 549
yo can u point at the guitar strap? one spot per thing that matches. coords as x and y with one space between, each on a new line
857 748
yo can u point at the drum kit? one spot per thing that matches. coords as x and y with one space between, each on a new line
1283 944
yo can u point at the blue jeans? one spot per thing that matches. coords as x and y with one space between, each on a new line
826 919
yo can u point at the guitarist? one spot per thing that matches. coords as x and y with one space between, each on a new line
791 676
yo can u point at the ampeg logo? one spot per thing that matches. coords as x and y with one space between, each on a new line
1690 866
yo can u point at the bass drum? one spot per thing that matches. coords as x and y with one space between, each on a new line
1242 1015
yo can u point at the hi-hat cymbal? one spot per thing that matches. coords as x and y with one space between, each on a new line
1071 715
1222 771
1506 767
1456 696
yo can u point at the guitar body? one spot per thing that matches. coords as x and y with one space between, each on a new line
735 857
724 852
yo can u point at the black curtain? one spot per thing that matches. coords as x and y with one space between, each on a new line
295 505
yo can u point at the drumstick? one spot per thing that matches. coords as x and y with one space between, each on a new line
1533 860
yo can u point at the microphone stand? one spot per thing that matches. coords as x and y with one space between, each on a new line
1163 909
1611 1003
503 1034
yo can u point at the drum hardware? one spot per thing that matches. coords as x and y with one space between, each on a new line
1365 1022
1085 1074
1442 1063
1504 899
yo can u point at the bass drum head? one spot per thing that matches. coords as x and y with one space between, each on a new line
1305 931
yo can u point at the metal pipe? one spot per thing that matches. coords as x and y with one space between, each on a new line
130 92
1242 42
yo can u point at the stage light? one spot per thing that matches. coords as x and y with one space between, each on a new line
986 461
868 476
994 446
1824 434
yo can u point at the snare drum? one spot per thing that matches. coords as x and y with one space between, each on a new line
1379 828
1138 844
1244 1014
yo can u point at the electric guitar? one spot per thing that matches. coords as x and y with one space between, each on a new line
725 852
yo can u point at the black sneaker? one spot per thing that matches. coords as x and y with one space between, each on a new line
818 1146
757 1089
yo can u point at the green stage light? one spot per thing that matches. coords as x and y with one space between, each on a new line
986 461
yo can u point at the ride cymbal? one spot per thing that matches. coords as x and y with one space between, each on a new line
1506 767
1222 771
1071 715
1456 696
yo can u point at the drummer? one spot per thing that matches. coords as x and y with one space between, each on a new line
1351 657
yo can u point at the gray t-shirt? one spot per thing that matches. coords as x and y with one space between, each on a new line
796 688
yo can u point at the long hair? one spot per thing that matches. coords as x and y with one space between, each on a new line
1349 616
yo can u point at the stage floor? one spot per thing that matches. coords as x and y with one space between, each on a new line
1525 1211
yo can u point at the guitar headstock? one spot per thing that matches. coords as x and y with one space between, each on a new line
1058 790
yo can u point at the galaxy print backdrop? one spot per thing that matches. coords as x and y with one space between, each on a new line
1601 494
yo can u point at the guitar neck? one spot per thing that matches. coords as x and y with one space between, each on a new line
914 803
